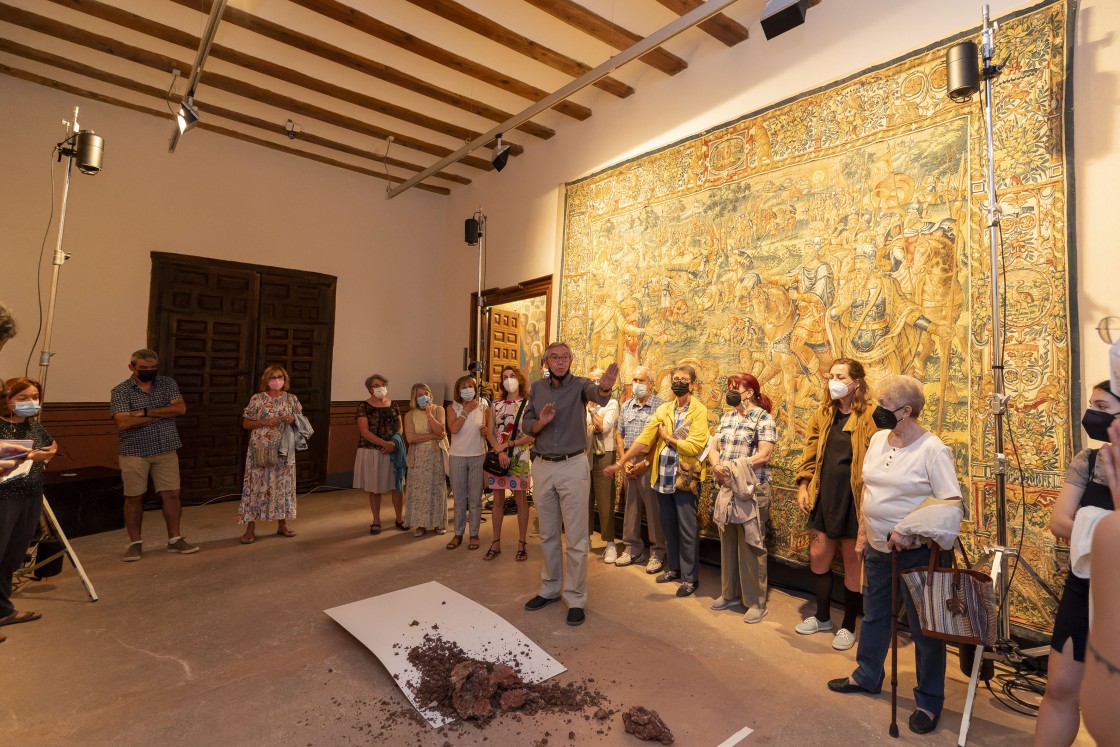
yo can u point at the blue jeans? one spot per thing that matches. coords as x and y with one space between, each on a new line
875 631
682 535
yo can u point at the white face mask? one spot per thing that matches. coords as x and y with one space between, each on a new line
466 394
380 391
511 385
837 389
640 390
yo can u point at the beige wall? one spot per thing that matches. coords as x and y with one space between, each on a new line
215 197
221 198
525 202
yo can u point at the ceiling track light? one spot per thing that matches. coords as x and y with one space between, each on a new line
187 116
501 154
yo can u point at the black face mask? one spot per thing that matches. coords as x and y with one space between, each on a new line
733 398
146 376
680 388
1096 424
885 418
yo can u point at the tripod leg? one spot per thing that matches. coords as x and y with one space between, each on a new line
966 717
69 550
893 731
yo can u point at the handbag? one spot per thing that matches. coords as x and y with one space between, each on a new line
954 604
492 464
688 478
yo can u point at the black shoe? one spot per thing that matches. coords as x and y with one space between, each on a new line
668 577
538 603
843 685
575 616
687 589
921 723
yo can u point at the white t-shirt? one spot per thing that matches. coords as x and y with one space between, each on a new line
468 442
896 481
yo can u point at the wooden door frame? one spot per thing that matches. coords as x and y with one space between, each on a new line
492 297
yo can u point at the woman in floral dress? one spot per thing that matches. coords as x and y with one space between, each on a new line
511 444
426 488
269 491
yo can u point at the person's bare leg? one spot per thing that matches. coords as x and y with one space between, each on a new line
375 508
498 514
1059 716
522 514
172 511
250 531
133 516
398 506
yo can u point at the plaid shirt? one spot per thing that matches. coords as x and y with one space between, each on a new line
738 436
634 417
667 464
155 438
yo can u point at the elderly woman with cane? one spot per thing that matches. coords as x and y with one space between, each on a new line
905 465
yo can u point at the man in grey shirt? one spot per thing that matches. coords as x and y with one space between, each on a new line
556 416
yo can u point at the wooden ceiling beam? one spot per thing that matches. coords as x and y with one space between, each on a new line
367 24
264 67
452 11
66 32
64 63
726 30
608 32
364 65
94 96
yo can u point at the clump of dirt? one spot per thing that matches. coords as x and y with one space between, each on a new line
646 724
458 686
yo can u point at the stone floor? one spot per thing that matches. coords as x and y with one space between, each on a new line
230 646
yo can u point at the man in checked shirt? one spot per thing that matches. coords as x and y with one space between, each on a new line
144 407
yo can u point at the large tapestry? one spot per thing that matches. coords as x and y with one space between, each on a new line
850 222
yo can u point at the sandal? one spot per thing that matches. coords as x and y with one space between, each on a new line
521 554
473 544
455 542
248 539
441 530
401 525
492 553
20 617
285 532
418 532
375 528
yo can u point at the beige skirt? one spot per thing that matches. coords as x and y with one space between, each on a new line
373 471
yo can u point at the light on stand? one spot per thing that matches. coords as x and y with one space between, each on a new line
962 71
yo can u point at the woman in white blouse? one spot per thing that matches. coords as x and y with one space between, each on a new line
904 466
468 420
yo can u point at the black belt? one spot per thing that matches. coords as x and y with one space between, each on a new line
560 458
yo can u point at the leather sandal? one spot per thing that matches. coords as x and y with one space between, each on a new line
521 554
492 553
455 542
473 544
375 528
285 532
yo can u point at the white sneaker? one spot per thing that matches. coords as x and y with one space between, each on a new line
754 615
812 625
843 640
654 565
624 559
610 555
722 603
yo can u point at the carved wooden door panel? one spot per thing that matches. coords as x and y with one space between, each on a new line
204 331
504 344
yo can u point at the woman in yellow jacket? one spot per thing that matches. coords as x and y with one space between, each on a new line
829 489
674 439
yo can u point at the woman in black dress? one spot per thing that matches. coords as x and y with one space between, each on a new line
829 489
21 496
1059 716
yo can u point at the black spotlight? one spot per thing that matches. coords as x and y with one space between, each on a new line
501 154
962 71
471 231
779 16
89 150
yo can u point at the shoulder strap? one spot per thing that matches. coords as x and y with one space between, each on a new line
516 422
1092 464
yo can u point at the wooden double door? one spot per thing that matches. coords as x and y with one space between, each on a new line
216 325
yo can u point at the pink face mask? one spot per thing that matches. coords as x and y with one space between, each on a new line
275 384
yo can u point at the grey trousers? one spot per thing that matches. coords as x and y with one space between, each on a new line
560 495
602 496
641 499
466 484
742 568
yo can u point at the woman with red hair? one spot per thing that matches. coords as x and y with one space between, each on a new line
745 438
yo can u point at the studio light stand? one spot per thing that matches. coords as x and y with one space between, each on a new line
961 68
476 230
87 150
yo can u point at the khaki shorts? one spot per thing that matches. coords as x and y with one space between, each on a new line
164 469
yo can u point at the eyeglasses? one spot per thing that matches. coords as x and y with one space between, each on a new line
560 357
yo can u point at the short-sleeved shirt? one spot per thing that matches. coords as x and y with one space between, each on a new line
381 421
152 439
898 480
634 416
739 436
1077 473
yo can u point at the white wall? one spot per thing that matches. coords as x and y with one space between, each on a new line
215 197
524 203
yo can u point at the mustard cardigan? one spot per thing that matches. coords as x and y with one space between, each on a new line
688 448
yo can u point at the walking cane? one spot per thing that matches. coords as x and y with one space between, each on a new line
893 731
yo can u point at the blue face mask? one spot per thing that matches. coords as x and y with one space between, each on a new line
27 409
422 401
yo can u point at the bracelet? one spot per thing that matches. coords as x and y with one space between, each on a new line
145 412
